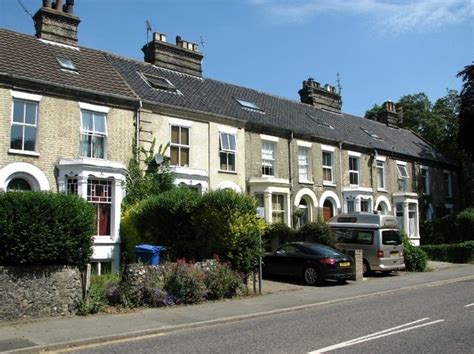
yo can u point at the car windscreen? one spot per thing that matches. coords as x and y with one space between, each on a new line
391 237
322 251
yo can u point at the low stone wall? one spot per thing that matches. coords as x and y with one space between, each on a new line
39 291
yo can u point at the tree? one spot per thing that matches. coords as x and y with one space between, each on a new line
466 111
155 179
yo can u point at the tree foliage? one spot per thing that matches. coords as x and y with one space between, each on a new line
152 180
466 111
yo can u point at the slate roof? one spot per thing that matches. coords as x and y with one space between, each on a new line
29 58
211 96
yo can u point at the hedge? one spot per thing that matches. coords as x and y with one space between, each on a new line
44 228
457 253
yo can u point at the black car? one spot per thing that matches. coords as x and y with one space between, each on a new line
311 261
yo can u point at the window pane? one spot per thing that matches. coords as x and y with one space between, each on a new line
184 136
184 157
87 124
103 219
98 147
232 142
224 141
175 135
30 113
231 161
223 161
18 111
327 174
327 159
99 120
30 138
18 184
380 178
174 155
16 137
86 144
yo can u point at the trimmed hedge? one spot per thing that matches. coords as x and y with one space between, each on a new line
44 228
457 253
450 229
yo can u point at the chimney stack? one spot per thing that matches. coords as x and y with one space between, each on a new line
183 57
320 97
389 115
56 22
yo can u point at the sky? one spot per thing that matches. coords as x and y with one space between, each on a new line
381 49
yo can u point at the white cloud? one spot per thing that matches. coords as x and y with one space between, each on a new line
389 15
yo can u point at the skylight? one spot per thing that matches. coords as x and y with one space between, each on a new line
160 83
319 121
248 104
371 134
66 63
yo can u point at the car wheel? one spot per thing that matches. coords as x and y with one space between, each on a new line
366 268
311 276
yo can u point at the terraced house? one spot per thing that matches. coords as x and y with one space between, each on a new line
66 121
69 116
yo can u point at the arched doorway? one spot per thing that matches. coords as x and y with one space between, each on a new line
303 213
328 210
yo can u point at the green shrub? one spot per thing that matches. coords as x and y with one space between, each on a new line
165 220
416 259
439 230
277 234
457 253
221 281
319 232
184 282
129 233
97 297
157 297
41 228
227 225
465 224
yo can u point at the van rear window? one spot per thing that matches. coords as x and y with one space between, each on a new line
391 237
361 237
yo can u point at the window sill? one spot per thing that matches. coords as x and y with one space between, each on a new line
267 176
329 184
383 190
23 152
228 172
305 181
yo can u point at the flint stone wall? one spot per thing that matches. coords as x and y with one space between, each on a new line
39 291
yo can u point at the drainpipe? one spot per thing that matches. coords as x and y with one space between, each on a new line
137 130
340 176
290 175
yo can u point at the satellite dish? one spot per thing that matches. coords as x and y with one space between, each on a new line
158 159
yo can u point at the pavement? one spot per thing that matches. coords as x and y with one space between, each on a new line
53 334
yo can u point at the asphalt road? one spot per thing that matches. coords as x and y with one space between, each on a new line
438 319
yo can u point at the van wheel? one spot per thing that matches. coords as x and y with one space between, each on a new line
366 268
311 276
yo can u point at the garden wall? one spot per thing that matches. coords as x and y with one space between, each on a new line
39 291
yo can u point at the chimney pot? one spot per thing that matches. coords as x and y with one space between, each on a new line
161 37
69 7
58 5
46 3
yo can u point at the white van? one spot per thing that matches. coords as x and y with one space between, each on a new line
377 235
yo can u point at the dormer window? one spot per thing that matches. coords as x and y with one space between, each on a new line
159 82
66 64
249 105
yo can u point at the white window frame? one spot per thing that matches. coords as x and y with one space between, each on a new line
94 133
328 167
179 145
23 99
227 151
380 167
278 211
402 176
425 180
303 163
268 158
354 172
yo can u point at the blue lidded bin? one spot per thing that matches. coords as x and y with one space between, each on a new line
149 254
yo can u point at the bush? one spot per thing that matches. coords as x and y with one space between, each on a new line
221 281
439 230
319 232
184 282
129 233
157 297
465 225
165 220
227 225
456 253
97 296
43 228
277 234
416 259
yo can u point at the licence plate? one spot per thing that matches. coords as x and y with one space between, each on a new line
344 264
394 254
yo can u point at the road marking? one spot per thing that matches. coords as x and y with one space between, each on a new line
384 333
110 342
469 305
